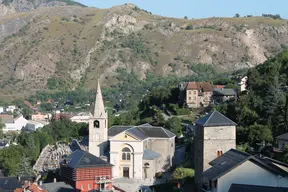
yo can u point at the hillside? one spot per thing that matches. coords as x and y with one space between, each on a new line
62 47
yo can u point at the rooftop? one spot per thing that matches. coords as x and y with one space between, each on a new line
215 118
8 184
283 136
142 132
224 92
203 86
255 188
83 159
58 187
150 155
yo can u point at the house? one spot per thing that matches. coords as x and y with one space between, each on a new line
9 184
199 94
86 172
221 95
57 187
10 108
237 167
40 117
1 109
34 125
80 118
214 135
255 188
137 152
4 144
15 124
243 83
282 140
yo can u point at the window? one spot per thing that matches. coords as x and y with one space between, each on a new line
89 186
189 98
82 187
219 153
96 124
189 92
126 154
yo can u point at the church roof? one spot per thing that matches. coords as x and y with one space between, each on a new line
98 109
150 155
215 119
83 159
141 132
116 129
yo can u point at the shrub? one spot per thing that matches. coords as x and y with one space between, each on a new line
189 27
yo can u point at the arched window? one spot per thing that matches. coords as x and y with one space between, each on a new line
96 124
126 154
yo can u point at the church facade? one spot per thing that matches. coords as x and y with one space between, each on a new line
137 152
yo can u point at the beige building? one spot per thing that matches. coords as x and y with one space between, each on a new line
199 94
137 152
215 134
140 152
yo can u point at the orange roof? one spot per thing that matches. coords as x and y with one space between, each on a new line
219 86
204 86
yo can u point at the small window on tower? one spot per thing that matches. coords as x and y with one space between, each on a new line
96 124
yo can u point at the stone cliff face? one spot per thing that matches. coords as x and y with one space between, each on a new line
43 47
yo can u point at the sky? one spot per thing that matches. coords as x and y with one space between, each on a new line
201 8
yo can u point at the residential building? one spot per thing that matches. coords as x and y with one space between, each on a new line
15 124
243 83
237 167
4 144
221 95
1 109
255 188
41 117
282 140
214 135
34 125
139 152
81 118
199 94
86 172
57 187
9 184
10 108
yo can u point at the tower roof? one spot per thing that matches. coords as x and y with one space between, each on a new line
99 110
215 119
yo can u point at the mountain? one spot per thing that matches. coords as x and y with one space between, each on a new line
47 46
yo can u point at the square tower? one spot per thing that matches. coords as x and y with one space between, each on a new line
214 135
98 126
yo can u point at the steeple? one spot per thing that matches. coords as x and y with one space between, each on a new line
99 110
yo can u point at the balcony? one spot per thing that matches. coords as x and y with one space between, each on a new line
103 179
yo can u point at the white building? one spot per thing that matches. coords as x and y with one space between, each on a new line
14 124
10 108
282 140
237 167
243 83
81 118
34 125
1 109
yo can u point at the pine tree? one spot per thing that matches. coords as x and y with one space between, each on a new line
24 167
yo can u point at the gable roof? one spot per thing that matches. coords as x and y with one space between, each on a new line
11 183
150 155
283 136
58 187
215 119
83 159
232 159
142 132
115 130
224 92
203 86
255 188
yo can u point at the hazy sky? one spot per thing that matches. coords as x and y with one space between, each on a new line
201 8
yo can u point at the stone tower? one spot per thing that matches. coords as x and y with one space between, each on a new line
98 126
214 135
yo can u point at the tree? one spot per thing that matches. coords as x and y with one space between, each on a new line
259 133
189 27
1 129
237 15
174 125
185 17
24 167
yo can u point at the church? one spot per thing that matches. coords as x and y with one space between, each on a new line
137 152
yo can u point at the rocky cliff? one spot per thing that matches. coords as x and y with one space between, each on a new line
62 46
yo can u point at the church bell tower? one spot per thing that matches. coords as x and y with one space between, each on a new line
98 126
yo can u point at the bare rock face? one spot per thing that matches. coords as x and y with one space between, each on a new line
5 10
122 23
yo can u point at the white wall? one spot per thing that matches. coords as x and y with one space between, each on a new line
250 174
1 109
20 122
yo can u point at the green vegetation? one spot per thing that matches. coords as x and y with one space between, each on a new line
262 112
189 27
277 16
181 173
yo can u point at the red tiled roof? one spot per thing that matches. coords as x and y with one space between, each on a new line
219 86
205 86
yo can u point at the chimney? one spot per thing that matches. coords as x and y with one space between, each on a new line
29 183
40 183
19 178
104 158
54 180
